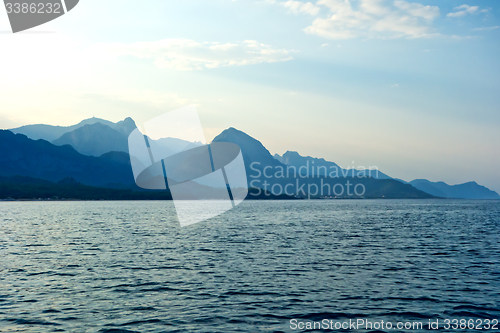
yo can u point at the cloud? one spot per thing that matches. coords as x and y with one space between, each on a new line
374 19
418 10
189 55
463 10
486 28
297 7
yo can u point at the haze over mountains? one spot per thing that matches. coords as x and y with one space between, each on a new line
94 140
469 190
51 133
312 166
20 155
265 171
95 152
92 137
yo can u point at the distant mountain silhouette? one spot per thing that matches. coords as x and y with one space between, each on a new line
22 156
252 149
125 127
94 140
294 158
94 152
259 162
470 190
99 138
23 160
50 133
312 166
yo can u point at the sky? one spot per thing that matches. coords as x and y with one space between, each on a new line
410 87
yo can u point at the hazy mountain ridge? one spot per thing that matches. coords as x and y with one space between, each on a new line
469 190
94 140
99 138
252 149
108 162
125 126
257 158
22 156
51 133
320 167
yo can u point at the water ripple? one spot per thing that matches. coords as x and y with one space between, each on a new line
119 267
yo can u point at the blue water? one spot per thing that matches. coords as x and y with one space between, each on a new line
128 267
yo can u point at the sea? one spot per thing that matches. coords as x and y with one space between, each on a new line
264 266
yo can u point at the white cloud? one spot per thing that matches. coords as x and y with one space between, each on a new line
462 37
487 28
463 10
223 47
374 7
374 19
418 10
188 55
297 7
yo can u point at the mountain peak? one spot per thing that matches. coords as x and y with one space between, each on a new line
90 121
251 148
94 139
291 152
125 127
293 157
236 136
294 154
94 125
233 131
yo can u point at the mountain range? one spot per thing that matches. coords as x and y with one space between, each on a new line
469 190
94 152
312 166
22 156
262 168
51 133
